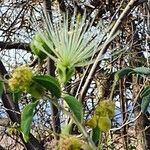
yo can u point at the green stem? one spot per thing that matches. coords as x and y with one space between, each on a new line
100 141
80 126
89 140
112 90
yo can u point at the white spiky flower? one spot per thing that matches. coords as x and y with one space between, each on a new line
71 42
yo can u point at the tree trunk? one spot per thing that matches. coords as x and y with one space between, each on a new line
142 134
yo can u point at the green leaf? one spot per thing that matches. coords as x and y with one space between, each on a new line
50 83
121 73
145 103
1 88
142 70
75 106
26 120
96 135
16 95
36 90
145 92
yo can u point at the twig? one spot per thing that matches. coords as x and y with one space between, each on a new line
126 123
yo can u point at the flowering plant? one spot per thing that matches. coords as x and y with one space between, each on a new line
71 43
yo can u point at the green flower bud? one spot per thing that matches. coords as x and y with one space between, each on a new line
105 108
35 45
93 121
104 124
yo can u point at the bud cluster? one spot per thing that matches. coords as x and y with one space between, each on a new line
102 116
21 79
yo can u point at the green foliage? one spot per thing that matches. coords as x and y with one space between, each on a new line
126 71
75 106
70 42
145 103
49 83
16 96
26 119
67 41
142 70
36 90
121 73
145 92
66 129
145 95
96 135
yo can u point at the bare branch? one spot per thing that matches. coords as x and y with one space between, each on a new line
8 45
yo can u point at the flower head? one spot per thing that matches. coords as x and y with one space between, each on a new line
71 42
104 124
105 108
70 143
21 79
103 114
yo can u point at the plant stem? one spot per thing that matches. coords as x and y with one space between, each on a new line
80 126
112 90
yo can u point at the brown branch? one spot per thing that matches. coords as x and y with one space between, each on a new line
8 45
